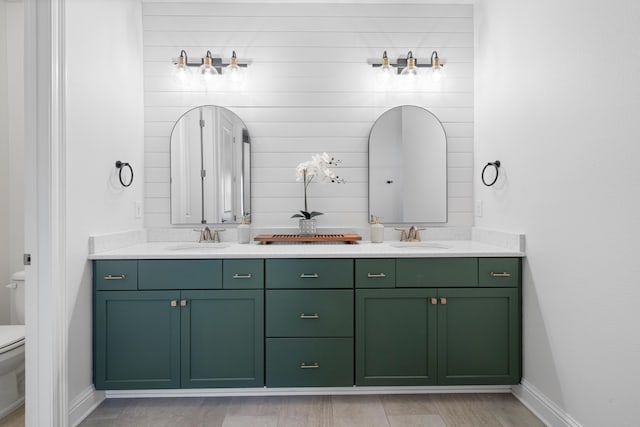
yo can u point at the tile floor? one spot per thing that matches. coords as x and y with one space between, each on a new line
438 410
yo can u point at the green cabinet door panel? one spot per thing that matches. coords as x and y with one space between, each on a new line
243 274
137 340
375 273
115 275
180 274
309 313
222 338
396 337
436 272
499 272
309 362
478 336
309 273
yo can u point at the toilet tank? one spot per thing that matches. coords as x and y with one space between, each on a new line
16 288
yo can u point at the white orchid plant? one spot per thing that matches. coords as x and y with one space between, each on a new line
318 167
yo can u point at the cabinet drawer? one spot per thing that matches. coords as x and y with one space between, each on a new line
436 272
309 362
499 272
243 274
115 275
375 273
180 274
309 273
309 313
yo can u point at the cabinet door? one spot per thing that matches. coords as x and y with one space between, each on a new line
478 336
137 340
223 338
396 336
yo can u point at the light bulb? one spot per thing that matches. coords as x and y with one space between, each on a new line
207 70
232 71
436 67
182 73
386 72
410 71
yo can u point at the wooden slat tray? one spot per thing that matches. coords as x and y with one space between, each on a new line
299 238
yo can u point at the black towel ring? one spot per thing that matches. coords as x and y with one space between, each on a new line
121 165
496 165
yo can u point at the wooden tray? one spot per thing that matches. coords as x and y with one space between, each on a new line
299 238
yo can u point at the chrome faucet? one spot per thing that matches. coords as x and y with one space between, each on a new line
209 235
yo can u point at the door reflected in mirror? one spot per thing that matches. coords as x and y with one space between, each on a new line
408 167
210 167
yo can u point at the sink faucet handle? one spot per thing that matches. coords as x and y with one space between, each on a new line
216 236
404 236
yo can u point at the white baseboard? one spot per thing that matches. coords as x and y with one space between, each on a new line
84 404
304 391
15 405
543 407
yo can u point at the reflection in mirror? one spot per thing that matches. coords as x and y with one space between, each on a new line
210 167
408 167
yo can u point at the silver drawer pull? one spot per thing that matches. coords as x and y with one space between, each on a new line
505 274
110 277
242 276
309 276
376 275
305 366
309 316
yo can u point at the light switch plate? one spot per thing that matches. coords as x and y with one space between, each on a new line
479 208
138 209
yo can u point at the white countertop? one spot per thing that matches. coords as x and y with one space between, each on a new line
364 249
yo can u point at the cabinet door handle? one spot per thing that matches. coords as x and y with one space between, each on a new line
242 276
434 301
309 316
443 301
118 277
309 276
174 303
505 274
305 366
376 275
183 303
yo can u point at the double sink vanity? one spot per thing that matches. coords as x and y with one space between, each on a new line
189 315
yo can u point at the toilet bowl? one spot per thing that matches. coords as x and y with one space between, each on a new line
12 350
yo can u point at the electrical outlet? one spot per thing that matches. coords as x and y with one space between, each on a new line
479 208
138 209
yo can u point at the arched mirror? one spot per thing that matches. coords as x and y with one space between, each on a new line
210 167
408 167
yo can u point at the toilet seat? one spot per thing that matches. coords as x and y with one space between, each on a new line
11 336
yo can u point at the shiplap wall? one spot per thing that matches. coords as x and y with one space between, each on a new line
309 89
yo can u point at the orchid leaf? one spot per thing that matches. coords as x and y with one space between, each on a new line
314 213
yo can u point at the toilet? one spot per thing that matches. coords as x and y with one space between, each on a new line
12 350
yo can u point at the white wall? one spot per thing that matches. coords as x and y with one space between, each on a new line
557 101
104 124
310 90
4 172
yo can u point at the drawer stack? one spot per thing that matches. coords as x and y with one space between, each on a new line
309 322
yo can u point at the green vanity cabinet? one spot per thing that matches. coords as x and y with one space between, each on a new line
396 337
146 339
137 340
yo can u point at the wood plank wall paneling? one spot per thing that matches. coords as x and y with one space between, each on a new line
309 89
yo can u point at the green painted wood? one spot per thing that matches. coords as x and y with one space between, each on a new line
180 274
479 336
396 337
436 272
137 340
223 338
243 273
333 356
375 273
499 272
309 313
308 273
115 275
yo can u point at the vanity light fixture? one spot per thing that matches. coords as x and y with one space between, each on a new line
232 71
208 66
408 66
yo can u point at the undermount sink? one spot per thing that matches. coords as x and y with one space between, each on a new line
195 246
419 245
